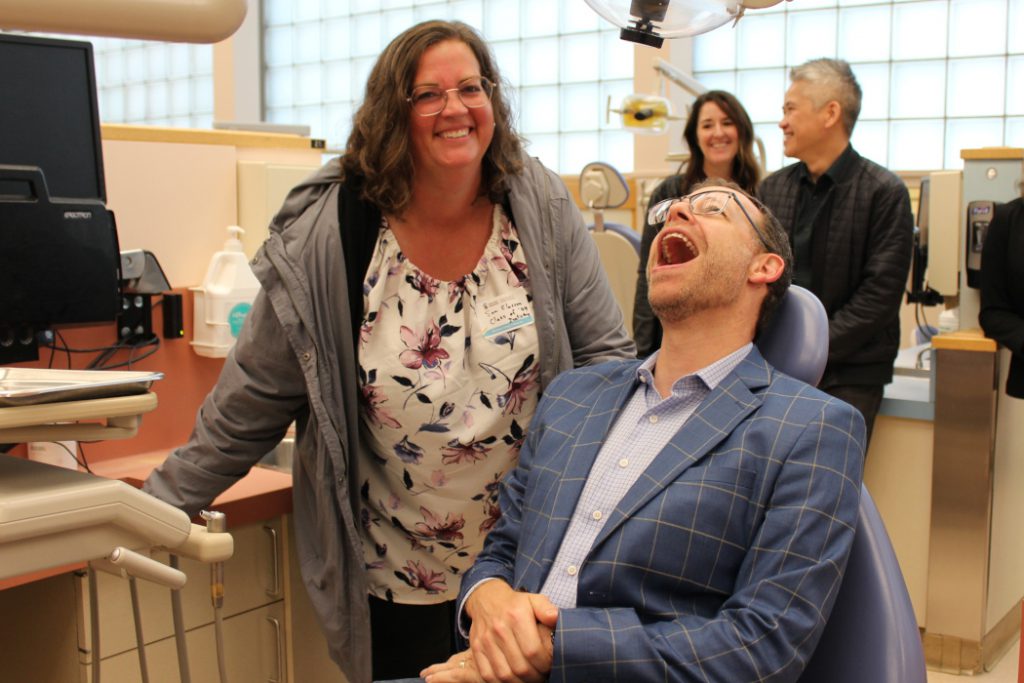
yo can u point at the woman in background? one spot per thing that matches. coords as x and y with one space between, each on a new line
1002 288
417 295
721 141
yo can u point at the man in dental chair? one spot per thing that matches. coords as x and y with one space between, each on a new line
683 518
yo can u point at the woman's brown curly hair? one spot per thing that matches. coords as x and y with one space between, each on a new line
377 155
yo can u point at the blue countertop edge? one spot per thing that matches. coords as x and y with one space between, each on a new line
908 409
909 397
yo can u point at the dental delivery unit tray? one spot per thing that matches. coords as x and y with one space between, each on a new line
30 386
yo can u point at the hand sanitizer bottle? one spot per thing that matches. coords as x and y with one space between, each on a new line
225 298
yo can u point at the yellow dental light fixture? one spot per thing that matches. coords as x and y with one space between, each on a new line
644 114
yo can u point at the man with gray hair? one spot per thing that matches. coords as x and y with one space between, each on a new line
851 227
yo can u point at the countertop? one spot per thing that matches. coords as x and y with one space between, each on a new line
965 340
261 495
911 393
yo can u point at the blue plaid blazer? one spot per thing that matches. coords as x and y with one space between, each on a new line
722 562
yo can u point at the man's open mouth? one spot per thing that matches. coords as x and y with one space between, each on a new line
676 249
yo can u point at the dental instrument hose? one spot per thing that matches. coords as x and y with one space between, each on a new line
94 624
216 522
140 641
179 630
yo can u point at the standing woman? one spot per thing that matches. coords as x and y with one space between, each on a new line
418 294
1002 288
721 141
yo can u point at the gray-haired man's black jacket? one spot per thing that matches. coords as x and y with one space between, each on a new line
860 253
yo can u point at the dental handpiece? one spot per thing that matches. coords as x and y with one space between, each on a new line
216 523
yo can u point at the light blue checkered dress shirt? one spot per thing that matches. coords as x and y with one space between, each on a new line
644 427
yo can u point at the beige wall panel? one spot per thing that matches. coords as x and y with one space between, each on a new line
176 200
898 473
1006 570
262 188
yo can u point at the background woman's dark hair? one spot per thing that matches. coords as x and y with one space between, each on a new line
745 170
377 152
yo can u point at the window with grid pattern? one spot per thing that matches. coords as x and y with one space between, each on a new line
937 75
562 60
151 82
154 83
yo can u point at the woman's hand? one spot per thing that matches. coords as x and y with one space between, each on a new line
459 668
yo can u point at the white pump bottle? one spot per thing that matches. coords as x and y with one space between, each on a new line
224 299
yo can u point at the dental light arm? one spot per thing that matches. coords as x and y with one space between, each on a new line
683 80
187 21
694 87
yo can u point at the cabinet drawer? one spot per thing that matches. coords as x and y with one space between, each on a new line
252 578
38 642
254 652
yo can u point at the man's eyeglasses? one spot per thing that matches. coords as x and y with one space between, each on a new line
430 100
704 203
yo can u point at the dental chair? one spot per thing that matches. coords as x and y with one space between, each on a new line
618 246
628 234
619 249
872 633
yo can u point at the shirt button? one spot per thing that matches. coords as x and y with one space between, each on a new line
596 515
653 419
624 462
571 570
306 356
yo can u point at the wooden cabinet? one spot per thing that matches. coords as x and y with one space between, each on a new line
252 579
38 640
253 650
253 616
270 631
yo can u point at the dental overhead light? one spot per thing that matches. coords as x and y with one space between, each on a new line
645 114
650 114
649 22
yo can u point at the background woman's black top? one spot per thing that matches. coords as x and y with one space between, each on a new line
1002 287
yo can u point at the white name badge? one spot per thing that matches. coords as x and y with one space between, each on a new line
505 313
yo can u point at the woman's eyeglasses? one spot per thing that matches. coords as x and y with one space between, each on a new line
430 100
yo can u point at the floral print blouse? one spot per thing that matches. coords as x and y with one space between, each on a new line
449 380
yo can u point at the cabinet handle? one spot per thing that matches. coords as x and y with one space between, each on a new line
279 678
275 560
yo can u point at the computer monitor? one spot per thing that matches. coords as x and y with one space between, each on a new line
920 292
922 211
49 114
59 255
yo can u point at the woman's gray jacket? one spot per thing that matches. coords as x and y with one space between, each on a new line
295 360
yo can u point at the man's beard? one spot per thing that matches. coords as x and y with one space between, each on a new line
717 285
